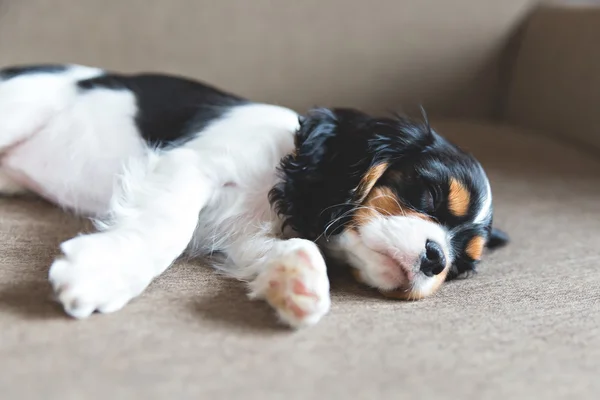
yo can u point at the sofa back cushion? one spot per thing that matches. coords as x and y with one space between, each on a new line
555 83
378 55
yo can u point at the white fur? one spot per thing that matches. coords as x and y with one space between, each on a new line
388 250
152 220
65 145
486 203
82 151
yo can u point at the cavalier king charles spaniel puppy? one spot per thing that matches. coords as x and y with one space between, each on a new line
167 166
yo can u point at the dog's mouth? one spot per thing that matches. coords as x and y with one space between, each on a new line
392 275
397 264
404 282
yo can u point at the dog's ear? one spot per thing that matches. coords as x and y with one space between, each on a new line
323 172
497 239
306 172
316 129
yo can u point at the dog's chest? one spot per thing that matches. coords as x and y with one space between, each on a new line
237 212
243 160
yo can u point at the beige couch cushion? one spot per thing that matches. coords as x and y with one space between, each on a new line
556 79
375 55
526 327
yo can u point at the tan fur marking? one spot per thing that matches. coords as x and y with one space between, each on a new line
357 276
402 294
475 247
458 198
383 201
368 181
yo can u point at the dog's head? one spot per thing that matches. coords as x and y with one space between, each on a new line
402 205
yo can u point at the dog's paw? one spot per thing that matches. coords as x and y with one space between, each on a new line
94 276
296 286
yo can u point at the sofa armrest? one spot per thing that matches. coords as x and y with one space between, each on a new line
555 78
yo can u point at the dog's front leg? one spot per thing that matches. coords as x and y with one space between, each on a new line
292 278
152 220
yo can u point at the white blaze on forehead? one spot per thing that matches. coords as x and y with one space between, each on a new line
486 203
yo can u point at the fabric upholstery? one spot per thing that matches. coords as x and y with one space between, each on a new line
378 55
555 84
527 326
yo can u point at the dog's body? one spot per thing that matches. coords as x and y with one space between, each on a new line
167 165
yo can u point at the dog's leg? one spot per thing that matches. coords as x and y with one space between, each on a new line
292 278
152 221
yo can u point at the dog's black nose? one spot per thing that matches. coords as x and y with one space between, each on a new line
433 260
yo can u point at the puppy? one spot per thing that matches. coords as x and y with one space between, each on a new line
166 166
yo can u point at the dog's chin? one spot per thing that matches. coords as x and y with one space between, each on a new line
418 290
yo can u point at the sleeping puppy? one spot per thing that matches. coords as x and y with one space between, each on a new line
167 166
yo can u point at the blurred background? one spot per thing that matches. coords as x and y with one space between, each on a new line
377 55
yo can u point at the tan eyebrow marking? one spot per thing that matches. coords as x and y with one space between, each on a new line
380 201
459 198
383 201
475 247
369 180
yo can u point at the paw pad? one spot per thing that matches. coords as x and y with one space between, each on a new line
297 287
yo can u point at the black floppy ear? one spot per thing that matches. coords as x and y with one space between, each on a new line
497 239
320 177
316 128
307 171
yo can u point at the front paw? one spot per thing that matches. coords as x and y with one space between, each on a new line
296 286
95 275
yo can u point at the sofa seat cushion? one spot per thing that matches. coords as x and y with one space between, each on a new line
526 326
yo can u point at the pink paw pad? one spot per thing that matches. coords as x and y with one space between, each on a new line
298 287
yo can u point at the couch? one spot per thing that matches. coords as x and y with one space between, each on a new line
516 82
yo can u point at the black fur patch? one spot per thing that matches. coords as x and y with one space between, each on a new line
170 109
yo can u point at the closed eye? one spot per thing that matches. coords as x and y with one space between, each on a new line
431 199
